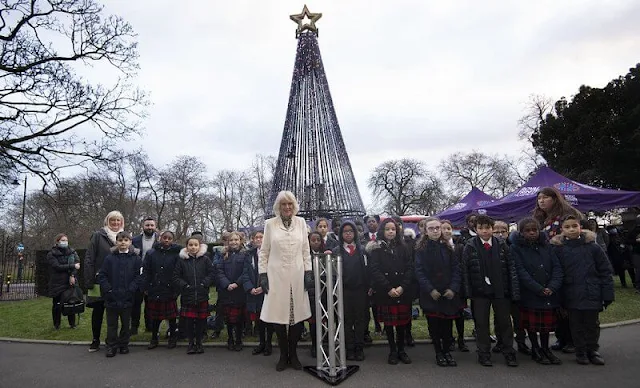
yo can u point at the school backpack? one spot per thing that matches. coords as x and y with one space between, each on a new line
72 301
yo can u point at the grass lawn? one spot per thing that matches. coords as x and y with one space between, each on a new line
32 319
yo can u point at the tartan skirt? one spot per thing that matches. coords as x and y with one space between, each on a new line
161 310
196 311
233 313
538 320
394 315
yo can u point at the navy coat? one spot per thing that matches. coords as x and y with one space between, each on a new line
231 270
157 272
193 276
119 278
438 269
250 276
588 277
390 268
472 273
354 267
538 268
61 266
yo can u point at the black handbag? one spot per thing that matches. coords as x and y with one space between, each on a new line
72 301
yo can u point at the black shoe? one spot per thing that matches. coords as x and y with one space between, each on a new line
173 342
409 340
524 349
367 339
539 357
95 346
258 349
452 347
582 359
359 355
124 350
191 349
56 327
462 346
351 355
239 346
314 352
268 349
493 338
569 349
595 358
557 346
231 345
404 357
153 344
393 358
551 357
134 330
111 352
485 360
440 360
282 364
199 349
294 362
510 359
450 360
497 348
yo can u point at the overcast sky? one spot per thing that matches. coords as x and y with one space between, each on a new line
414 78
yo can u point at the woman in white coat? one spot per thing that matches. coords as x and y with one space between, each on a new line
284 266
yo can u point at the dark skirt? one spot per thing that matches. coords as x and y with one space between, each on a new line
394 315
161 310
196 311
432 314
233 313
538 320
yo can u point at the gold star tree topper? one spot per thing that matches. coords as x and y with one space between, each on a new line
301 18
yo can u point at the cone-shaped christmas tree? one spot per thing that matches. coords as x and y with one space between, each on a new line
313 161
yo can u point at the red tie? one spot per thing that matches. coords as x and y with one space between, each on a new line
487 246
352 249
373 237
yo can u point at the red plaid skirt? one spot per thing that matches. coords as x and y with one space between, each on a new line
541 321
233 313
197 311
394 315
254 316
161 310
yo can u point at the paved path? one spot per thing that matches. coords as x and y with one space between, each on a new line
40 365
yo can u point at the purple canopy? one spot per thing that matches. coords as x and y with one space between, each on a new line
583 197
475 200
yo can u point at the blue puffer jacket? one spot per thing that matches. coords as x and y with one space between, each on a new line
231 270
538 268
119 278
588 277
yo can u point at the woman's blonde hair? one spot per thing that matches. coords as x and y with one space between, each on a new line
285 196
113 214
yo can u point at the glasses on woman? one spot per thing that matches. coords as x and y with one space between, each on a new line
433 228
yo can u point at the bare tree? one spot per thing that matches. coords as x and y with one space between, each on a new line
405 185
536 110
50 117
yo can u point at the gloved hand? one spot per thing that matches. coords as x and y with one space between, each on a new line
449 294
435 295
308 280
264 282
606 303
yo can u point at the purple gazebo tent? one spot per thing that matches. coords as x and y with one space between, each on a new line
522 201
475 200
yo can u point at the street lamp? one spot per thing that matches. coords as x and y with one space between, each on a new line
24 202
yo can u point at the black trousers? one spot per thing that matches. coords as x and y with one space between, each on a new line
115 339
356 303
440 333
563 331
521 336
503 329
56 312
136 311
97 316
585 329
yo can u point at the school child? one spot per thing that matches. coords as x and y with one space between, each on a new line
371 222
439 278
328 239
316 247
232 299
587 287
255 296
157 274
490 280
446 227
391 271
540 276
119 278
192 276
355 285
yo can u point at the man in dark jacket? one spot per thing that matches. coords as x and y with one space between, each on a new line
490 280
119 279
355 284
143 242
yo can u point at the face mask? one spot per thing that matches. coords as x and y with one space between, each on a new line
63 244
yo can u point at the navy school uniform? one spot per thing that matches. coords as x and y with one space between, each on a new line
231 270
